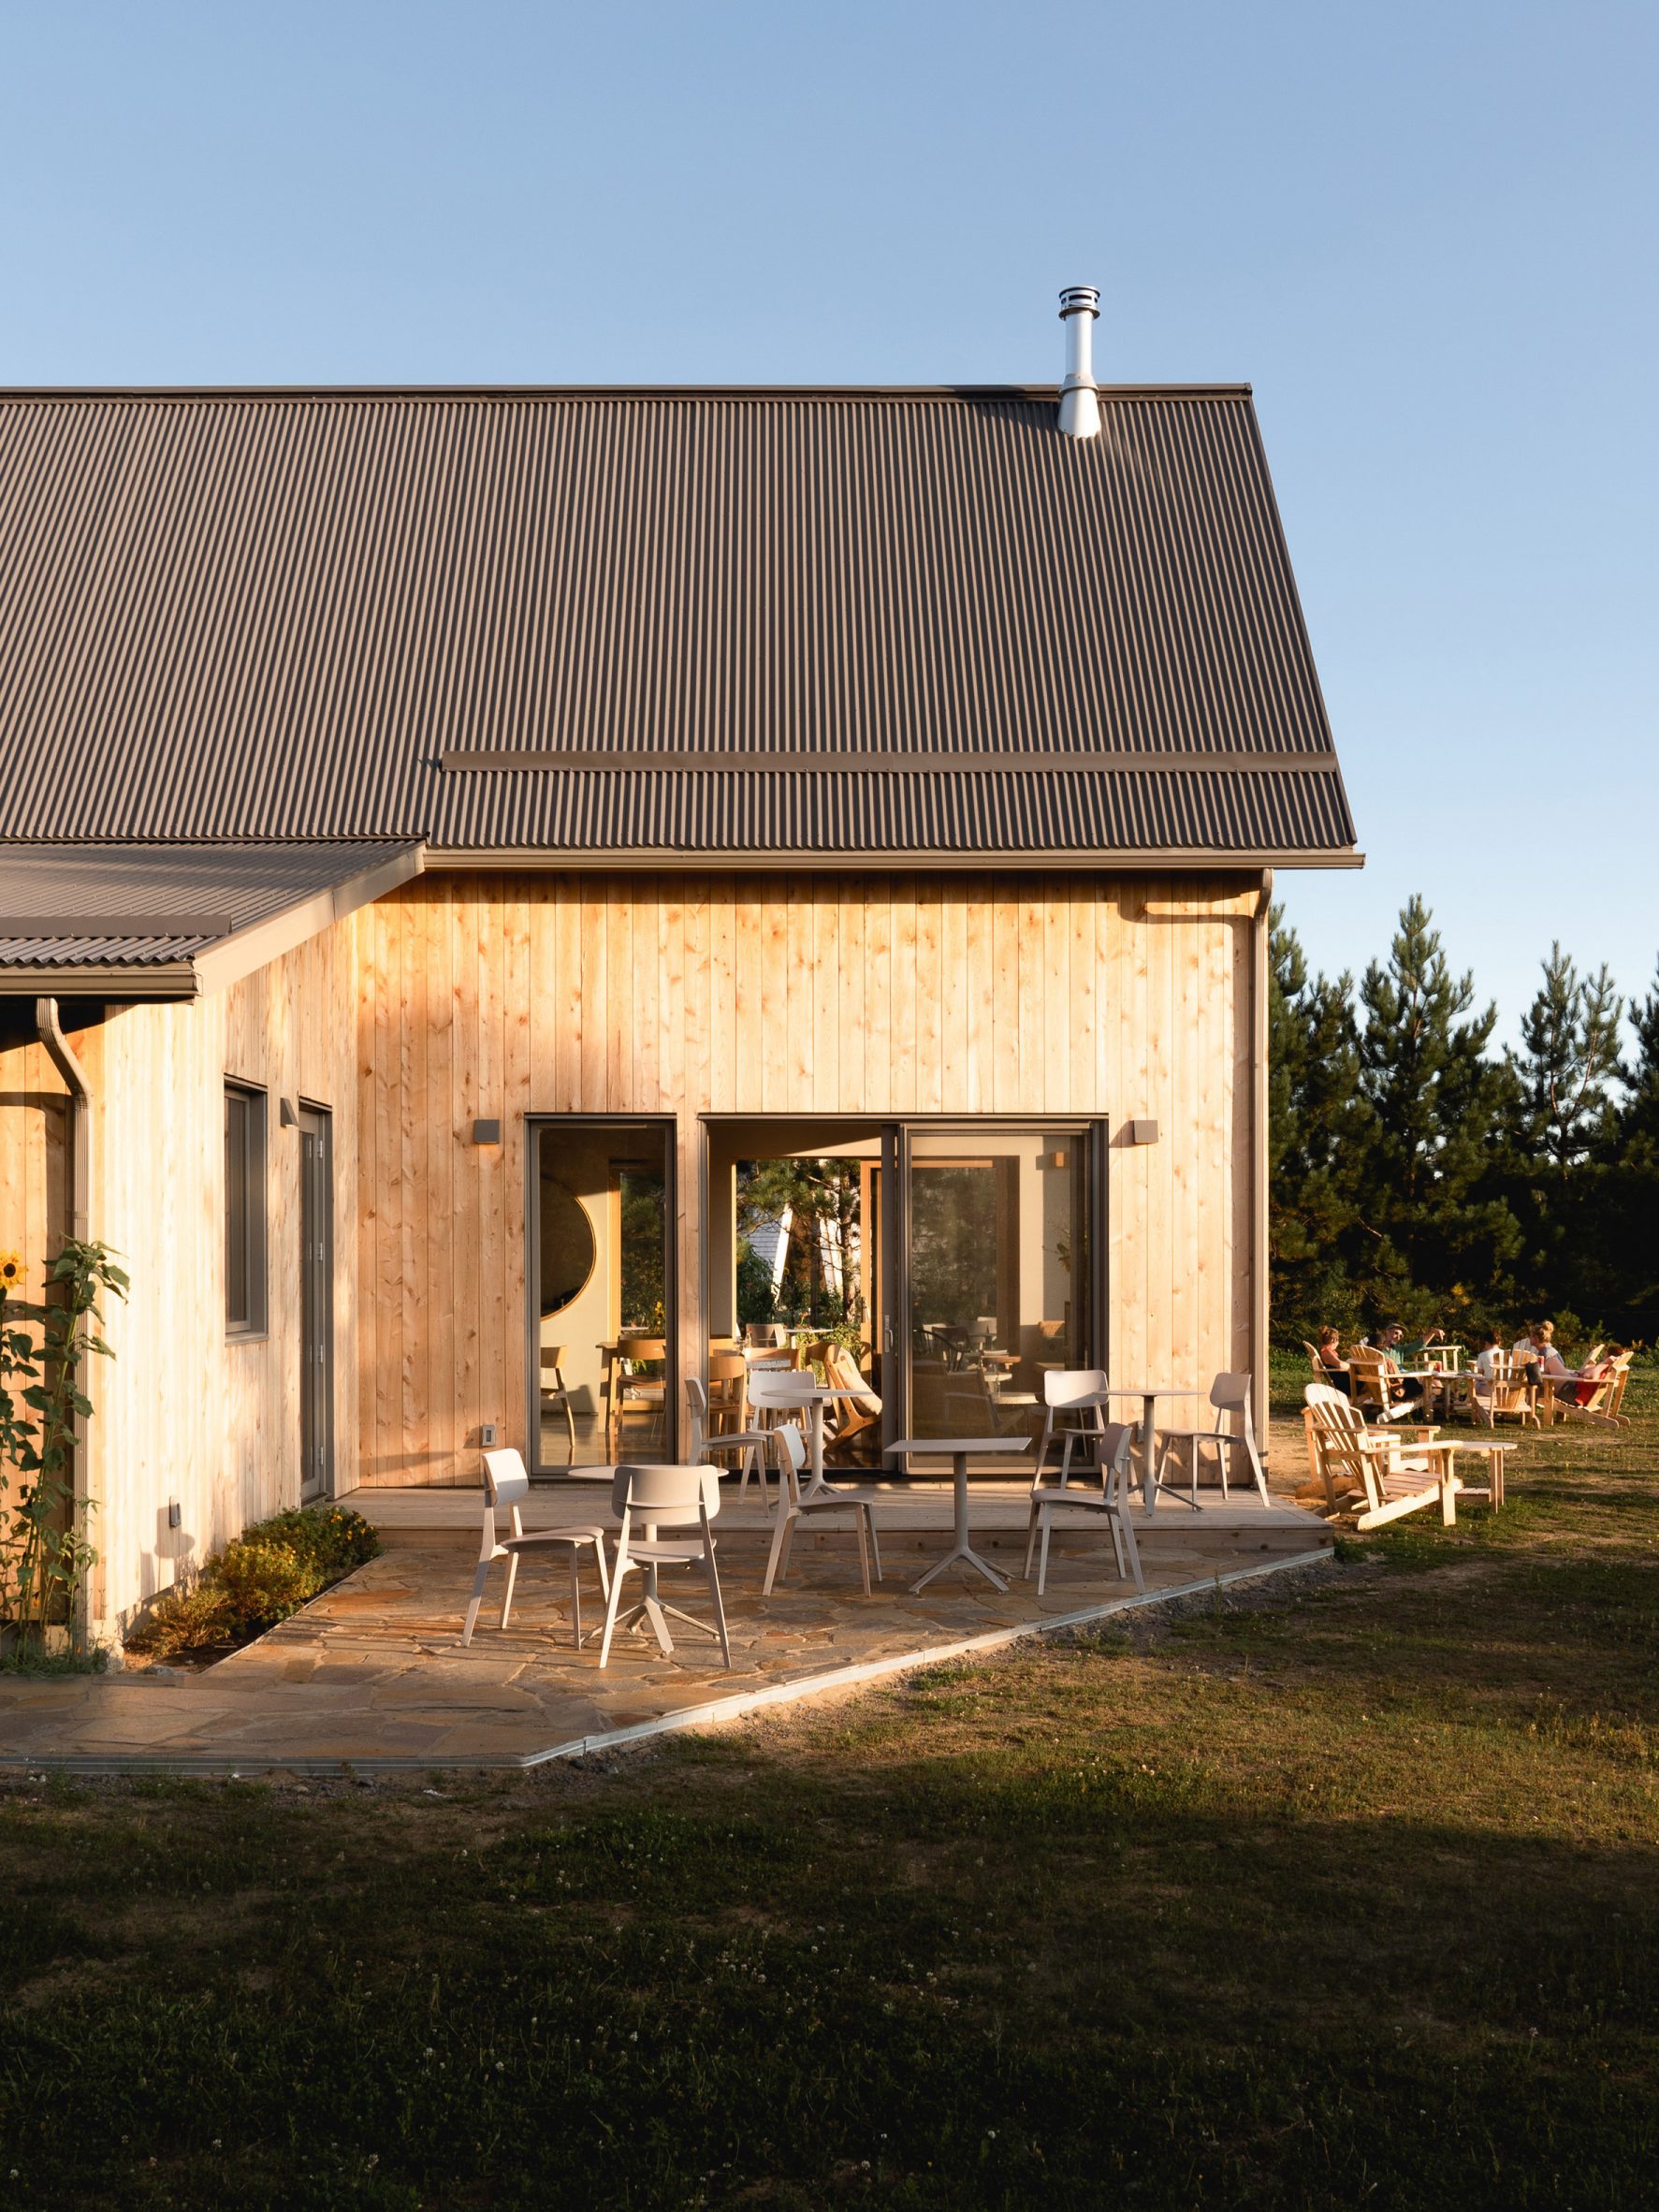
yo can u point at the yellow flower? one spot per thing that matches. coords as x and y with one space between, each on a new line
11 1272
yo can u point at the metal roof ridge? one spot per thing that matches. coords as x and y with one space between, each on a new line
936 393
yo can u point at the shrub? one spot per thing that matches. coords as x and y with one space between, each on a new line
264 1582
331 1538
273 1568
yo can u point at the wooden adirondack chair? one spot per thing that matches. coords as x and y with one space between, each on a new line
1502 1396
1373 1473
1602 1408
1370 1387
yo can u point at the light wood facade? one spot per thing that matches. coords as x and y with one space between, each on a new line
1123 996
476 994
184 1412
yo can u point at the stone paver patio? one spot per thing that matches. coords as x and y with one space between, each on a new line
373 1673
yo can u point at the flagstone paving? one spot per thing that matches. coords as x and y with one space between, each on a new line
373 1674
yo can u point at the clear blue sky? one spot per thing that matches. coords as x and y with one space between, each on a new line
1424 232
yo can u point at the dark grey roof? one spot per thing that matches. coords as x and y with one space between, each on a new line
153 908
297 614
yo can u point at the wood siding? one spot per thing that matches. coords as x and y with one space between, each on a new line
483 995
182 1412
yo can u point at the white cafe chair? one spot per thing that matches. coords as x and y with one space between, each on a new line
506 1483
1230 1394
675 1497
792 1506
1116 1442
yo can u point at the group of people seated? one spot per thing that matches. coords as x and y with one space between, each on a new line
1531 1360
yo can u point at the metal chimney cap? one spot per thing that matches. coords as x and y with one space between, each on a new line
1080 300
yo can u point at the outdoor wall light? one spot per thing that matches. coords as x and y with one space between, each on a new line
286 1117
487 1132
1142 1132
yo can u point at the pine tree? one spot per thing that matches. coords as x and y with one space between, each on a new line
1560 1118
1446 1240
1612 1266
1317 1131
1570 1053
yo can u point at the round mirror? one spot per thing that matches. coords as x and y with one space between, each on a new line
570 1251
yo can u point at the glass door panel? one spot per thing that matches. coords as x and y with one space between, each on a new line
602 1293
996 1263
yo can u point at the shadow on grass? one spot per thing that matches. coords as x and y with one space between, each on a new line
1090 1976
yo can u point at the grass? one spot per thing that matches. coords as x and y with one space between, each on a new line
1342 1896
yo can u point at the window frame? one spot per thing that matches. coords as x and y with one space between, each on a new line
253 1194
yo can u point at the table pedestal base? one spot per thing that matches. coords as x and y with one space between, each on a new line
968 1557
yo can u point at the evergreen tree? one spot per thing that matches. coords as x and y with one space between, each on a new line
1570 1053
1317 1132
1612 1266
1560 1118
1446 1241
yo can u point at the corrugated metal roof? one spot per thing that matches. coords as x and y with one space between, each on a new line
268 615
138 906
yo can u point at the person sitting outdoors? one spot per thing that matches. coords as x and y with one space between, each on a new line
1486 1363
1402 1390
1413 1351
1582 1387
1332 1361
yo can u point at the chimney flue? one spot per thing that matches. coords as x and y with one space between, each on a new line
1079 410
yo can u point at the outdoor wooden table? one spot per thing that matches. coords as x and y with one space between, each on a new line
1149 1394
960 1449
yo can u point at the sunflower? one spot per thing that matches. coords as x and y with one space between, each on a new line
11 1273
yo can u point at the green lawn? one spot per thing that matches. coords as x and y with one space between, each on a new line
1348 1898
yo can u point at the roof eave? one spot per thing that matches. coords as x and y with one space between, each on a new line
473 860
219 966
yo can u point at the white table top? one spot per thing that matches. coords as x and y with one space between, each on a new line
1151 1390
952 1445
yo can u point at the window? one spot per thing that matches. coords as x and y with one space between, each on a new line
244 1211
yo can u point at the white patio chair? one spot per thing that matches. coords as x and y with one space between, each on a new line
664 1497
1116 1442
506 1483
1076 1400
752 1444
1230 1394
792 1506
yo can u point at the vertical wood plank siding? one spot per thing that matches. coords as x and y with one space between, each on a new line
182 1412
888 994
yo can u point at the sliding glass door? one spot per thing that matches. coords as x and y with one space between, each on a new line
995 1259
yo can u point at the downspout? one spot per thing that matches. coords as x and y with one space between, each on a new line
63 1058
1261 1269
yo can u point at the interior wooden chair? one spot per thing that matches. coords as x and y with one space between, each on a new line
641 1396
853 1417
1114 1441
1373 1473
556 1396
793 1507
506 1483
648 1499
1230 1395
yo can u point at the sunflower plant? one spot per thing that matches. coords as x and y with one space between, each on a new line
45 1553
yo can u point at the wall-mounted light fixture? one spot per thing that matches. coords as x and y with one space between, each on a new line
286 1117
487 1132
1142 1132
